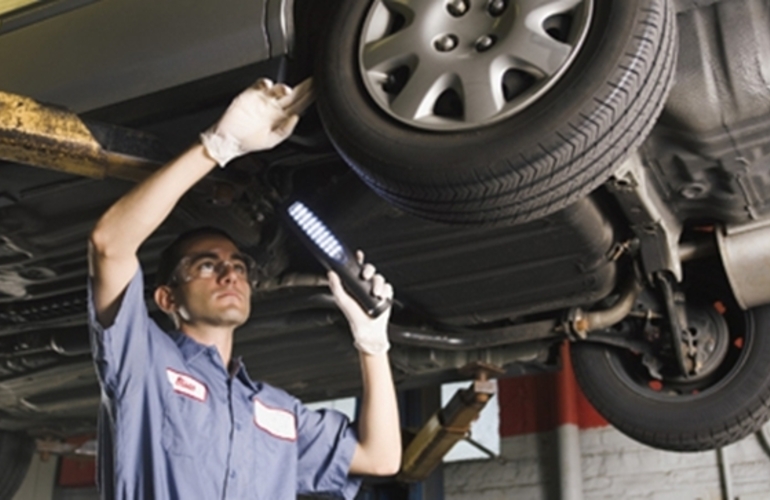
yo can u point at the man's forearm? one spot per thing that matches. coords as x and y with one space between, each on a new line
131 220
379 432
379 429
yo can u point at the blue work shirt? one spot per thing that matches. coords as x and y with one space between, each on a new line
174 424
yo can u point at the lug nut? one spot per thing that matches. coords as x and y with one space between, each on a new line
457 7
497 7
485 43
445 43
693 190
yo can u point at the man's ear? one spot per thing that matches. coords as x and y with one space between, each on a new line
164 297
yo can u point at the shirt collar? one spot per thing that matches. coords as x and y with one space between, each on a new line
242 375
189 348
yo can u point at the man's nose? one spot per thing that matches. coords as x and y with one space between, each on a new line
226 272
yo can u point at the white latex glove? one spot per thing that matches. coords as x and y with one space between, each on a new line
259 118
370 335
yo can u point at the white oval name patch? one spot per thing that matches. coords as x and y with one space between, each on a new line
275 421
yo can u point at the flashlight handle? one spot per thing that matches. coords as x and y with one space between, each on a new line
342 261
351 276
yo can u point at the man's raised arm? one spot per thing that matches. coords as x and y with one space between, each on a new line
259 118
378 451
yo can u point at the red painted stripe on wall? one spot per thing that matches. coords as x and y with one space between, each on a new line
540 403
77 471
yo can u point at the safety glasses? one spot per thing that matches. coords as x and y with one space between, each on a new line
205 266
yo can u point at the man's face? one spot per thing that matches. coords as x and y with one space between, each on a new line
212 287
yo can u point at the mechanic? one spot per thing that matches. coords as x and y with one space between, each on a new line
180 418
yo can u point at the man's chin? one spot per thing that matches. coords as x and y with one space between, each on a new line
234 318
237 317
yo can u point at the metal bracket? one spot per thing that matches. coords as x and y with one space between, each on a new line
652 221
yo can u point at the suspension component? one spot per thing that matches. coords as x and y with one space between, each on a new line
673 300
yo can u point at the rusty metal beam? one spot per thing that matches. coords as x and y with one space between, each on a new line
44 136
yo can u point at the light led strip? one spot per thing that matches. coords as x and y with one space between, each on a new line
317 231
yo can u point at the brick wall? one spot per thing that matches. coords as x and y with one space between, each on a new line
536 411
613 467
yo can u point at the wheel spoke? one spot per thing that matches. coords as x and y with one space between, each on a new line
482 93
530 45
535 50
539 10
388 53
419 95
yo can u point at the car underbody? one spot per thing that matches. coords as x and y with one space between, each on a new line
677 227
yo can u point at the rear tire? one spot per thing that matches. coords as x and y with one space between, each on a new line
722 412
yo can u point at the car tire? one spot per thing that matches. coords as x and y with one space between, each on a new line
16 450
530 162
728 409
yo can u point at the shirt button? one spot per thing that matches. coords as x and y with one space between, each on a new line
232 475
237 427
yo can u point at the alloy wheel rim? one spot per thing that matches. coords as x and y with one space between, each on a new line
452 65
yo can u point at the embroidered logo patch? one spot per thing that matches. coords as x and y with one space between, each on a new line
275 421
186 385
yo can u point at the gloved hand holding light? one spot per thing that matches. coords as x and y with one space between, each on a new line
372 294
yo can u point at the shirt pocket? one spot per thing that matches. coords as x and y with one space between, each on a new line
187 425
275 459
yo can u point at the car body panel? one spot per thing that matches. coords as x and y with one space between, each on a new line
709 150
112 51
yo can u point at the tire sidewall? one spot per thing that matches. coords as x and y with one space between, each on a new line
736 402
373 142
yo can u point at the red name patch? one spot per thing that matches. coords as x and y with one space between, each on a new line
186 385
